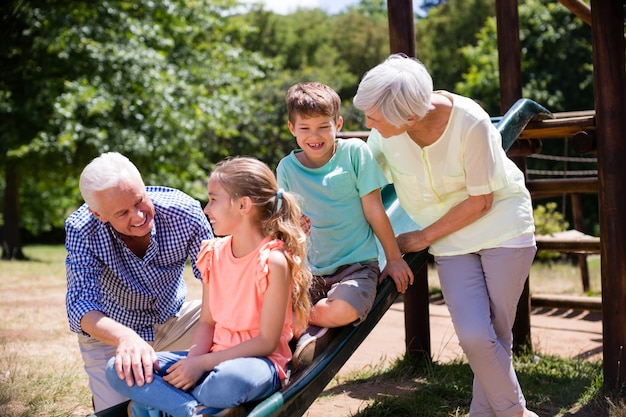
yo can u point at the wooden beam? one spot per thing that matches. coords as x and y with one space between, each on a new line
401 27
567 302
579 8
608 44
416 302
509 53
587 245
564 125
544 188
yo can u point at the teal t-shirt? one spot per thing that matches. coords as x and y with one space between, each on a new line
331 198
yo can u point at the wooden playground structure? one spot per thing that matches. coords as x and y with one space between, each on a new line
601 130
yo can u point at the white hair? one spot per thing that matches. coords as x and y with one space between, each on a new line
104 172
400 87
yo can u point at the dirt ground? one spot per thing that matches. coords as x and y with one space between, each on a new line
33 324
564 333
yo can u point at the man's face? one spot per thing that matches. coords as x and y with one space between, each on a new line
127 208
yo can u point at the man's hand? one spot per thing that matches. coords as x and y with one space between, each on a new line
135 360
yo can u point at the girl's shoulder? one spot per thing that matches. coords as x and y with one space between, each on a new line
268 247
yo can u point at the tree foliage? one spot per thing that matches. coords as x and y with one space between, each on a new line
556 60
448 27
178 85
143 78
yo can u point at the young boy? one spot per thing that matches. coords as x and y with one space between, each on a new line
339 182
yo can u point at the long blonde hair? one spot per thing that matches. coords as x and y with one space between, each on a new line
279 214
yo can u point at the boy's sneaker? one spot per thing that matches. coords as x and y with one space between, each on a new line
310 345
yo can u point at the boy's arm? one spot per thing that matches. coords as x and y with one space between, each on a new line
376 216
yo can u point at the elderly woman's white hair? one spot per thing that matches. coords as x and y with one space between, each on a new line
104 172
400 87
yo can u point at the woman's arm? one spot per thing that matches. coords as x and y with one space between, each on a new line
459 216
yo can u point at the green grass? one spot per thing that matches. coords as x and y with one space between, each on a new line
554 386
41 371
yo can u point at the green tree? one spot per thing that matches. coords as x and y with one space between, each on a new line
556 72
556 60
311 45
147 79
448 27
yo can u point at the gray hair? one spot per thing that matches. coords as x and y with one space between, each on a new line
400 87
104 172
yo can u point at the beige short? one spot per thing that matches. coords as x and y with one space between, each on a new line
354 284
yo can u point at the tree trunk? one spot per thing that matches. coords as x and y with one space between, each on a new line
11 240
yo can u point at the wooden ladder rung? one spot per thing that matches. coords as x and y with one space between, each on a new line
570 241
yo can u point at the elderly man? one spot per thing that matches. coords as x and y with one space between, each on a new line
127 247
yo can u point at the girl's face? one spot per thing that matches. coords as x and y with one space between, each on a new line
221 209
375 120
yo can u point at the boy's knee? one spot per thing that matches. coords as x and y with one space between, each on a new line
335 313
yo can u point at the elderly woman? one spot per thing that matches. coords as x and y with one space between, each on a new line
453 178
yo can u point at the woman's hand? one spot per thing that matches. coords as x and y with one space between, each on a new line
414 241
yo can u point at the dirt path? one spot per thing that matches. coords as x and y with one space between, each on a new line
564 333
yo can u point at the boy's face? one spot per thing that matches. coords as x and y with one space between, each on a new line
315 135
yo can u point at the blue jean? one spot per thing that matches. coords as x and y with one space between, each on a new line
229 384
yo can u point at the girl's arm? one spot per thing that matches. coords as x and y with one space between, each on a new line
203 333
186 372
396 267
459 216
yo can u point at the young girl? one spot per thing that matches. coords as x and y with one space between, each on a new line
254 278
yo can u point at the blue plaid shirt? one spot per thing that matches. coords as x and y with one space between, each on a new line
103 274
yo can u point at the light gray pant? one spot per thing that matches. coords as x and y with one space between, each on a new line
173 335
481 291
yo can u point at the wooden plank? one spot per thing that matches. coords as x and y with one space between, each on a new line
357 134
562 126
569 246
544 188
566 302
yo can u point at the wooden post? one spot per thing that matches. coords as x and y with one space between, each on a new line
510 65
607 17
581 258
509 53
416 302
401 27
